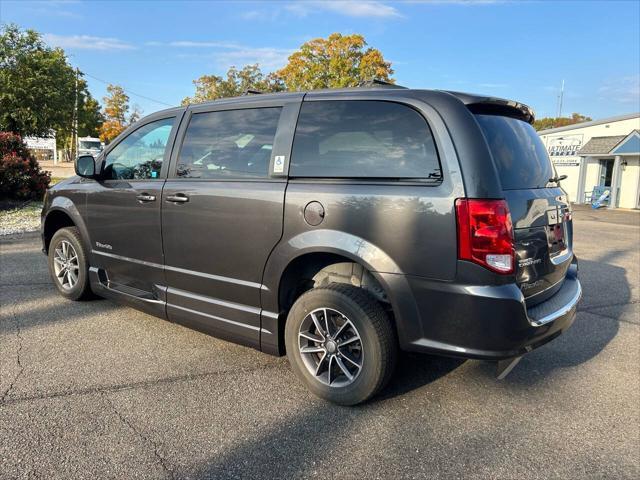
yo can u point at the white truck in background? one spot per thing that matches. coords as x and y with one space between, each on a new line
89 146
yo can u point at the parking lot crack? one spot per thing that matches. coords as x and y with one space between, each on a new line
139 385
148 441
18 358
607 305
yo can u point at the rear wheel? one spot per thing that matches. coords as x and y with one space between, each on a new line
340 343
68 264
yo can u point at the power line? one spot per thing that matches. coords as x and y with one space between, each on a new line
129 91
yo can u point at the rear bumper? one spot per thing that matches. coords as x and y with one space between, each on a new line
484 322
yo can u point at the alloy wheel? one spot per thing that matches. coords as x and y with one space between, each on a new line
65 265
330 347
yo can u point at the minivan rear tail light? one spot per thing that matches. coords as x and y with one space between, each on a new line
485 234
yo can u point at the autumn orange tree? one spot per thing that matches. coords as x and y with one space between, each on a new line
334 62
116 108
554 122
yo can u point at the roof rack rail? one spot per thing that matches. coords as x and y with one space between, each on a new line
376 82
251 91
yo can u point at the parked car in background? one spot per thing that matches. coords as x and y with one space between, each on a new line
334 226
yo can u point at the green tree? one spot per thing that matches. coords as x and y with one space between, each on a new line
90 116
135 115
334 62
554 122
90 120
236 82
37 84
116 113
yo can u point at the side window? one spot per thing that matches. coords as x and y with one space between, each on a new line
139 156
363 138
229 143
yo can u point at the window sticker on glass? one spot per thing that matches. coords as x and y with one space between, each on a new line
278 164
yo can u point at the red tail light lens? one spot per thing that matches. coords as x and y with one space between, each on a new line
485 234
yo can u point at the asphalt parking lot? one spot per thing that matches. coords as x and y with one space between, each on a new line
97 390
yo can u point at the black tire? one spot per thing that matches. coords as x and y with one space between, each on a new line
377 339
81 289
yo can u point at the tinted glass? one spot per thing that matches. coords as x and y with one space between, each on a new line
140 155
229 143
363 139
520 156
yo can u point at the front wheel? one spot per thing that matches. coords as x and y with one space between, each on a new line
68 264
340 343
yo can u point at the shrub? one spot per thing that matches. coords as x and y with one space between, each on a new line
20 174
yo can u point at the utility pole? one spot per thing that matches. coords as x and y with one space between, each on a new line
74 128
560 98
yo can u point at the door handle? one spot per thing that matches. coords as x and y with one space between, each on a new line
177 198
145 197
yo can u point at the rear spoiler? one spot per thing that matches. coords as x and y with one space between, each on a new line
496 106
506 108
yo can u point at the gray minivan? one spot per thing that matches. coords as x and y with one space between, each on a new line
337 226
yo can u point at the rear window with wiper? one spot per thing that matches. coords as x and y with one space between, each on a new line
520 156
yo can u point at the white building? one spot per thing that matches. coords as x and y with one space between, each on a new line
43 148
602 154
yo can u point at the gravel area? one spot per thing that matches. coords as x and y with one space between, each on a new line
20 219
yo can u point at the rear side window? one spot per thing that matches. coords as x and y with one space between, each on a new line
229 144
520 157
363 139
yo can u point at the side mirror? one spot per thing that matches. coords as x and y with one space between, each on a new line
86 166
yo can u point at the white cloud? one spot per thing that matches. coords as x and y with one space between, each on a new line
54 8
362 9
350 8
195 44
267 57
252 15
192 44
460 2
225 54
623 89
493 85
86 42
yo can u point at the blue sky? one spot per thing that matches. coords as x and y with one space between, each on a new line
519 50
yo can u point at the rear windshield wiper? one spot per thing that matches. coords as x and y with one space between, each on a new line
557 179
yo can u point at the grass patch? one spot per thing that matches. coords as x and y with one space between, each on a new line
55 180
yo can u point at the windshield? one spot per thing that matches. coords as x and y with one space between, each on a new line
88 145
521 159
